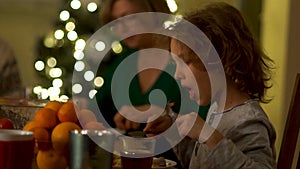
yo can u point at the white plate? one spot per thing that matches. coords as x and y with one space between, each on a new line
169 164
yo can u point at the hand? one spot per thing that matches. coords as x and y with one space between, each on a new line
123 124
158 125
190 125
130 117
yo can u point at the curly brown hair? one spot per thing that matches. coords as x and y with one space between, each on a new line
243 60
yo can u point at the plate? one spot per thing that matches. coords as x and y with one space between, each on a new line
169 164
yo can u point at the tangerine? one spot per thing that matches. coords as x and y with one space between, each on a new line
29 126
42 138
67 112
50 159
60 135
46 118
54 105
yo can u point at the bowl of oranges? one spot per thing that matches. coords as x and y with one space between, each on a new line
51 126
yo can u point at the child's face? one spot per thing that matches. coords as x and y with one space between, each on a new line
193 78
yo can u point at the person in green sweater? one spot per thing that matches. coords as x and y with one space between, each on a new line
146 81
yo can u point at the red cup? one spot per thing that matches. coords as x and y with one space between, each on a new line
16 149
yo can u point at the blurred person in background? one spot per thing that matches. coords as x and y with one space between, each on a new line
145 81
10 81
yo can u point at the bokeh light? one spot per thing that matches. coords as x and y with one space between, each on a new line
98 81
57 83
100 46
77 88
89 76
78 55
64 15
92 7
55 72
59 34
92 93
70 26
80 44
51 62
116 47
75 4
72 35
79 66
39 65
172 5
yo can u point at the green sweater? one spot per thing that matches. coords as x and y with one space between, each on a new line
165 83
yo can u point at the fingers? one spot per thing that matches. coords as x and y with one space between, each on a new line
159 125
131 125
119 121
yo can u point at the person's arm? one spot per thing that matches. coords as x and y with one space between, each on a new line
248 145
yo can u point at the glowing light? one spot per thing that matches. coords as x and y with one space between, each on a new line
116 47
88 76
80 44
92 93
72 35
64 15
75 4
59 34
37 90
51 62
55 72
79 66
39 65
92 7
57 83
167 24
77 88
172 5
78 55
100 46
70 26
49 42
44 94
53 91
98 81
63 98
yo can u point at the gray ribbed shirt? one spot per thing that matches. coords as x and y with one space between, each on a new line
248 143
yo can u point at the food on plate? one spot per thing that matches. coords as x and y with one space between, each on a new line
159 162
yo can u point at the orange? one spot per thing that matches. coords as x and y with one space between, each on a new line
50 159
41 134
46 118
42 138
85 116
94 125
67 112
29 126
60 136
54 105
